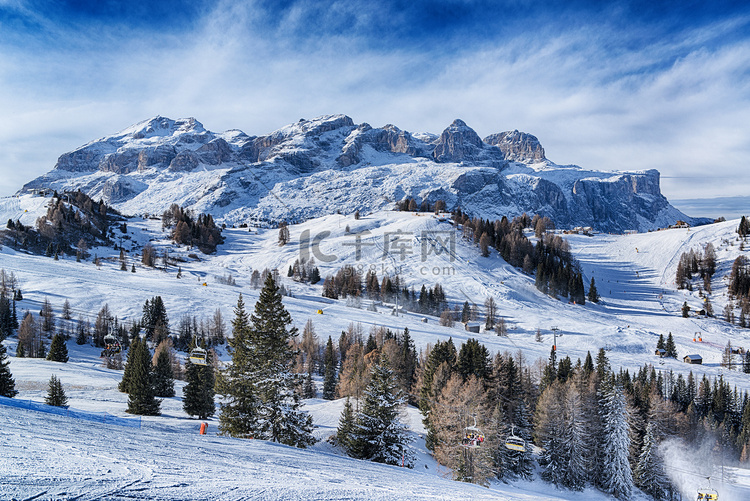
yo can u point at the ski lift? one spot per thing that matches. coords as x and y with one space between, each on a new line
514 442
198 356
708 494
473 436
111 346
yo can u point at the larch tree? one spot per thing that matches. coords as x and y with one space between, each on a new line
457 406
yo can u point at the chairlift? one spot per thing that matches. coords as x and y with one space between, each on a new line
198 356
708 493
473 436
514 442
111 346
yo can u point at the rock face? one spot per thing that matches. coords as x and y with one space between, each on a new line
517 146
328 164
458 143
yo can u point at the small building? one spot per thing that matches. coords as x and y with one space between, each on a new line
693 359
660 352
472 326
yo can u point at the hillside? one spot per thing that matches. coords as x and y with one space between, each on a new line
634 275
330 164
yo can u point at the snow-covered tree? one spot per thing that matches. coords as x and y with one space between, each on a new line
378 433
55 393
260 387
650 476
617 477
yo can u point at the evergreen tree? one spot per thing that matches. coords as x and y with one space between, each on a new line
260 386
163 374
55 394
127 374
308 389
345 430
670 347
141 392
660 343
379 436
617 477
198 393
593 293
649 472
7 383
6 317
329 371
58 351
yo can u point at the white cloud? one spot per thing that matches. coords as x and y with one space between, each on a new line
677 106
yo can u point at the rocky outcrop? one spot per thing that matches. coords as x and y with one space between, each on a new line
517 146
458 143
387 139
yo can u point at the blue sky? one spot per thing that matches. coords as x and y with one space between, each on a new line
610 86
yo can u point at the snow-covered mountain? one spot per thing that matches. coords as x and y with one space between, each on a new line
330 164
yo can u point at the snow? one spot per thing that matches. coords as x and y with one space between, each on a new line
56 457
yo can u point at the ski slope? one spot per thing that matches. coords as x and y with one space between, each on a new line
51 457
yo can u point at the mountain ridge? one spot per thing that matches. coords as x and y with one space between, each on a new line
327 164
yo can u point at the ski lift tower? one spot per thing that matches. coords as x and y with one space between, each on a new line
555 331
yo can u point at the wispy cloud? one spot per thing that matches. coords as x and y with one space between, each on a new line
598 91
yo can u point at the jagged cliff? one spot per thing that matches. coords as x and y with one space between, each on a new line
330 164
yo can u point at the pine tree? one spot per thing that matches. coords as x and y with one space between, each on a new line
345 430
379 436
308 388
329 368
127 375
162 372
260 386
593 293
7 383
58 351
669 347
55 394
660 342
649 472
617 477
141 393
198 393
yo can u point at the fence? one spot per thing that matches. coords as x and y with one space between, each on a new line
99 417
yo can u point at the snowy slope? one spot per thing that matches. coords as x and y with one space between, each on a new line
634 275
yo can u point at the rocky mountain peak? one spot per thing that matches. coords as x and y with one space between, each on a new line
517 146
457 143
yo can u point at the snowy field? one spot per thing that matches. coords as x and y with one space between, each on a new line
51 457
